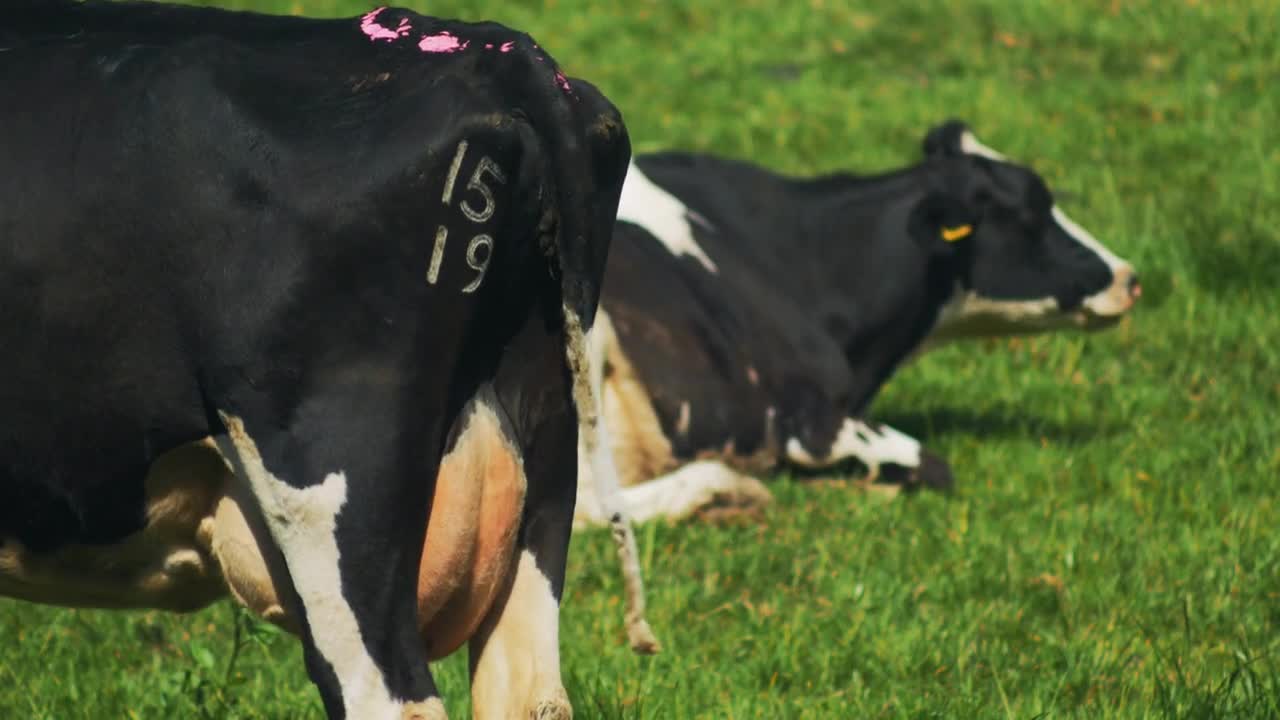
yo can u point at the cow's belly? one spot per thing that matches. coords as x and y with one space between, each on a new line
199 543
167 565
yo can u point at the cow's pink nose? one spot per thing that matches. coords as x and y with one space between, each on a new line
1135 287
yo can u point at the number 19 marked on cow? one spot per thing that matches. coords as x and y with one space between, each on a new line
480 249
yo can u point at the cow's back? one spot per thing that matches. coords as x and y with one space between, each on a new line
198 210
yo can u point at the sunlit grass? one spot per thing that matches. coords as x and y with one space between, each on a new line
1112 549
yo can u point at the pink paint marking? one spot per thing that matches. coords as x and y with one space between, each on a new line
369 26
488 46
442 42
507 46
563 82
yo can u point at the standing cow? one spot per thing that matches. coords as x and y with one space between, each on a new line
361 256
751 318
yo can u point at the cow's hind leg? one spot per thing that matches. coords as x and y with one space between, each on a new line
701 486
348 518
515 655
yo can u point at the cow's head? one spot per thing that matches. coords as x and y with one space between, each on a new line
1021 265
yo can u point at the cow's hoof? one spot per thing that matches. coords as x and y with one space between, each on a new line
432 709
934 473
556 708
642 639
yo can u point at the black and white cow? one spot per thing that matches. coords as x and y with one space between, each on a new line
751 318
354 261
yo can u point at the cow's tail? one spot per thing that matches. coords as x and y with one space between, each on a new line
590 150
595 443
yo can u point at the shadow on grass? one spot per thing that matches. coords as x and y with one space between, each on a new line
1004 421
1246 262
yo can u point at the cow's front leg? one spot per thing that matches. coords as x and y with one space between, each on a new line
892 457
348 520
515 654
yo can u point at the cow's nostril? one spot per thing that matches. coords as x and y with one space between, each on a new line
1135 287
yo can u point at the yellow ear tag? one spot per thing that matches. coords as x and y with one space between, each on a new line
956 233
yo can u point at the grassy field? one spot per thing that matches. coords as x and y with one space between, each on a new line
1111 551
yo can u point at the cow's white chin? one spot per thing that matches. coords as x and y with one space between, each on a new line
1107 307
970 315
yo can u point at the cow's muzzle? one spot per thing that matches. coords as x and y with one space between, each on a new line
1104 309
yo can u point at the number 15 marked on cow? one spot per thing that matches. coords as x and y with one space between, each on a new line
480 249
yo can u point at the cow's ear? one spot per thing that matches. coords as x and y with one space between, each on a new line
942 222
946 139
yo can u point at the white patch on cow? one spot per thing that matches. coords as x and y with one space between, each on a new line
970 144
887 446
303 524
1086 238
662 215
872 446
968 314
683 420
515 655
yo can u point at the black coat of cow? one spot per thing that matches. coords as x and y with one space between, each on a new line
755 316
349 250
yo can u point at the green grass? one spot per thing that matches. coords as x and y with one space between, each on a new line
1112 549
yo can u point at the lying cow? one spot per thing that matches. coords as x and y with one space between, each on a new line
361 256
751 318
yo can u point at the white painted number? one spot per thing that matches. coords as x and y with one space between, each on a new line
437 254
480 249
477 183
479 253
461 152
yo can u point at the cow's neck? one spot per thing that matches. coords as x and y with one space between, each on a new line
877 290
